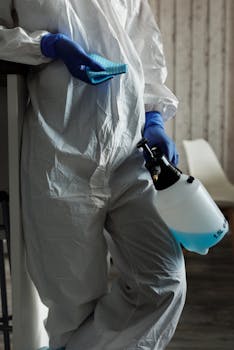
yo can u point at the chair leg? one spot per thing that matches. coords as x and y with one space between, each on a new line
5 326
5 317
6 223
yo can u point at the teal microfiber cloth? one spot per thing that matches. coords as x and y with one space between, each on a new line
111 69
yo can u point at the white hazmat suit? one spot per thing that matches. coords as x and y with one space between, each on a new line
82 172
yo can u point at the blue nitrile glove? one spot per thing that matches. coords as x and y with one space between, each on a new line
154 132
59 46
93 69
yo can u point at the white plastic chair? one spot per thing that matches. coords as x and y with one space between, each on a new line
204 165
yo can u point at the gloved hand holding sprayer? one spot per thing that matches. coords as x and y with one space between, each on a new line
182 201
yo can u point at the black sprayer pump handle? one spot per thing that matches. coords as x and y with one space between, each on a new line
144 144
163 173
152 163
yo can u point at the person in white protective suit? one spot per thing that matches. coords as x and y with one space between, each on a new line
82 173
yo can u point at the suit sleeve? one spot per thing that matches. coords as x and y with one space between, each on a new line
18 45
146 37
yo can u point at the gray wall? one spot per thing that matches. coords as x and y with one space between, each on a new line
198 40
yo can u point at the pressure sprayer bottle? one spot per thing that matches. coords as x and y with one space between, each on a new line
184 204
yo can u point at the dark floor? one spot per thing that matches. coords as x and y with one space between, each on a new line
207 321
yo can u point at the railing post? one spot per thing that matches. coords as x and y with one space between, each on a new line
28 331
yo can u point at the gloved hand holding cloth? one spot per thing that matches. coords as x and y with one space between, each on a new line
90 68
155 134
